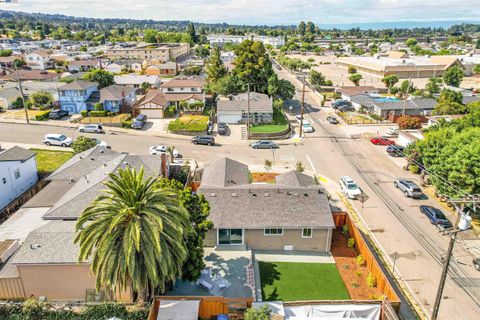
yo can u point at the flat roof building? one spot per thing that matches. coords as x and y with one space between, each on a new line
163 52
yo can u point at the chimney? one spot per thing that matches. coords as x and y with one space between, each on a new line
164 165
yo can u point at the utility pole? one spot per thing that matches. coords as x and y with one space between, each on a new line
459 206
248 110
302 105
21 92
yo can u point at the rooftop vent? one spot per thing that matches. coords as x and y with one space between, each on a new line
266 194
92 158
234 194
295 194
212 194
254 194
305 194
35 246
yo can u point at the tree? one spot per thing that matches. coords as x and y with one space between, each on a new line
102 77
352 69
433 85
191 32
145 86
227 85
264 313
449 107
253 65
302 28
202 51
355 78
407 86
134 233
98 107
280 88
476 69
411 42
41 99
448 95
199 210
408 122
83 143
150 36
5 53
390 81
317 78
193 70
215 69
310 27
453 76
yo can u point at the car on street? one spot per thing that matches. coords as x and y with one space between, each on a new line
332 120
102 143
436 217
206 140
57 114
222 128
264 144
349 187
382 141
139 121
340 102
158 150
91 128
298 117
53 139
392 131
307 127
409 188
396 151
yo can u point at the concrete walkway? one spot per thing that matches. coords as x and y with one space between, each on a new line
293 256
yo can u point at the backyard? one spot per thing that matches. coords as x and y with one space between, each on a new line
279 124
288 281
50 160
189 123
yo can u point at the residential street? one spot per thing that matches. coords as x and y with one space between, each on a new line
394 221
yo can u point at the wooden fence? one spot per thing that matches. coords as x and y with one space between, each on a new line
210 306
383 283
11 289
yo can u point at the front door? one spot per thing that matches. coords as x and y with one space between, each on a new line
230 236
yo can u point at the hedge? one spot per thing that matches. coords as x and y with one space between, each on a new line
127 123
84 113
42 115
95 113
177 126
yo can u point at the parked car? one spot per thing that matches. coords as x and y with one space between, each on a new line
396 151
436 217
206 140
349 187
102 143
392 131
264 144
382 141
91 128
139 121
53 139
476 263
57 114
158 150
222 128
340 102
410 188
307 127
298 117
332 120
346 108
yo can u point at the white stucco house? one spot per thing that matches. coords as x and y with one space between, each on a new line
18 173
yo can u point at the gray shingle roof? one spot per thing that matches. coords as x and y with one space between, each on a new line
78 85
259 102
225 172
115 92
9 93
295 178
49 244
16 154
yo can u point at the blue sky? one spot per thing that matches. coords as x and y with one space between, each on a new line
261 11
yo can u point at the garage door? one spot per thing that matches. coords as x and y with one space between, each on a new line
152 113
229 118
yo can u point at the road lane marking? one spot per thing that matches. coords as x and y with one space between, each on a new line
311 163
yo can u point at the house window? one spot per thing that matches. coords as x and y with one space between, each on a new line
306 232
273 232
230 236
16 173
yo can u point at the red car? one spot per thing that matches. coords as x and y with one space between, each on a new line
382 141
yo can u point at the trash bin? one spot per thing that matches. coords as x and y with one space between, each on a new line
222 317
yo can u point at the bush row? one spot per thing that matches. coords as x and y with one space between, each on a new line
178 126
95 113
42 115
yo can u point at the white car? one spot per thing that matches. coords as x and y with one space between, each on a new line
349 187
53 139
91 128
299 118
307 127
102 143
392 131
158 150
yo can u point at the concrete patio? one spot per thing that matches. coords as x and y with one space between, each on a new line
230 265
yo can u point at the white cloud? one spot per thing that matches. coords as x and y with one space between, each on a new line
260 11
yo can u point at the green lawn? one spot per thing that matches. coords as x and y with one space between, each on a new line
280 123
50 160
288 281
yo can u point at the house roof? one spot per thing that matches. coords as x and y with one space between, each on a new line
86 62
115 92
9 93
295 178
469 99
153 96
259 102
397 54
16 154
183 96
225 172
24 74
78 85
133 78
49 244
353 91
174 83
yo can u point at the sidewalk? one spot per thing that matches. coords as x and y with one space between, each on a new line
8 145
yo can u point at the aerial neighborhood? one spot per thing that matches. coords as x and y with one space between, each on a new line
176 170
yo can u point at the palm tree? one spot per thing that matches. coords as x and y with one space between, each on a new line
135 234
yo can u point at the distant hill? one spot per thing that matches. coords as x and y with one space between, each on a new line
397 25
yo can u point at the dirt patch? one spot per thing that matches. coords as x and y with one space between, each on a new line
265 177
353 275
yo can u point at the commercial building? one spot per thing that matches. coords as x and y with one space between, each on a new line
163 52
219 40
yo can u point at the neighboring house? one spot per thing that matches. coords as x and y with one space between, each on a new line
187 89
85 65
292 214
114 67
233 109
406 137
18 173
167 68
8 96
73 96
7 62
163 52
348 92
136 80
40 60
153 104
33 75
47 262
115 98
434 120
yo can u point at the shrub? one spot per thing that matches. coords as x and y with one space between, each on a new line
358 273
371 280
345 229
83 143
352 69
299 167
98 106
355 284
98 113
84 113
375 116
346 266
268 165
127 123
169 112
351 242
414 169
408 122
360 260
42 115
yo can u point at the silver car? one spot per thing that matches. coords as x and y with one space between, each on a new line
409 188
92 128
